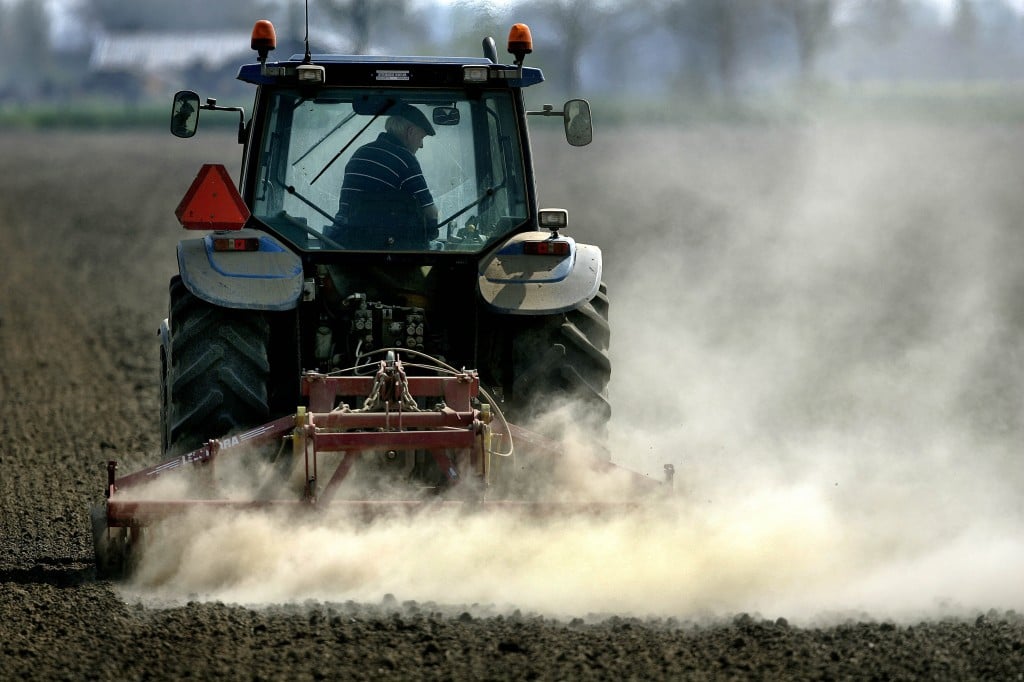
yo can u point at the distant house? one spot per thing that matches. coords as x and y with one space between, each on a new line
152 64
167 52
143 65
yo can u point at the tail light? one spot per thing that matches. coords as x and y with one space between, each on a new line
546 247
236 244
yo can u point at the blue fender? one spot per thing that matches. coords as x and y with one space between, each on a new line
514 283
267 279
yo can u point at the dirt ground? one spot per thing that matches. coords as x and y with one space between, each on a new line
87 238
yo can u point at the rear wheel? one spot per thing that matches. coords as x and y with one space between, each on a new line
219 371
563 358
556 361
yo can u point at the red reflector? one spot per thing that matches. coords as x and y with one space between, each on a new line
212 202
232 244
546 248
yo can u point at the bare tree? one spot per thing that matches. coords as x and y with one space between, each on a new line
473 21
579 22
813 26
25 32
707 27
362 20
965 23
724 19
155 15
964 32
884 21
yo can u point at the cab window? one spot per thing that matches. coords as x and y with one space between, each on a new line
334 170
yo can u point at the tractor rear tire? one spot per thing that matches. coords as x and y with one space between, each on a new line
219 370
564 358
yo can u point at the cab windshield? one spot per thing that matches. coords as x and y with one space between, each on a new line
337 172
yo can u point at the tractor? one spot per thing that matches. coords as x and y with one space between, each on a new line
493 283
409 306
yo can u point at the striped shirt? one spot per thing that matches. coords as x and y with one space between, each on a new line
382 165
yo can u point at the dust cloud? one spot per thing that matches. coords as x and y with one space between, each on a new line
816 327
837 335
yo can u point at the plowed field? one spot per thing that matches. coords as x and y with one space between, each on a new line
819 328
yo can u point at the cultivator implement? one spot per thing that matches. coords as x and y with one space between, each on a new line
463 442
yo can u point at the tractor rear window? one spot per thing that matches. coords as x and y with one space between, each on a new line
388 169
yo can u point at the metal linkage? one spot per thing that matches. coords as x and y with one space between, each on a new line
390 420
453 425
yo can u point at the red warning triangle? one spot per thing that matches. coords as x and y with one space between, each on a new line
212 202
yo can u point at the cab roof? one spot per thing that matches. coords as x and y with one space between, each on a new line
352 70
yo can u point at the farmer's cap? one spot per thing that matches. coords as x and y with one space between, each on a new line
412 115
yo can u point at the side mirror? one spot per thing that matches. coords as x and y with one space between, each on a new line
185 114
579 127
446 116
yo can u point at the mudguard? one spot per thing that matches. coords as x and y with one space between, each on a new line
267 279
514 283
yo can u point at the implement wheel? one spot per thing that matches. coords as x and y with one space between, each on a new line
110 546
218 371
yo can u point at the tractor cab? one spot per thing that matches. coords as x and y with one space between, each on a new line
322 170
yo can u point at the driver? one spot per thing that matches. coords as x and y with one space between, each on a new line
389 164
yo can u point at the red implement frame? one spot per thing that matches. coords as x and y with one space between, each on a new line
389 420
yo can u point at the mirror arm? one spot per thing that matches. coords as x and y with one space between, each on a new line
211 105
548 110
